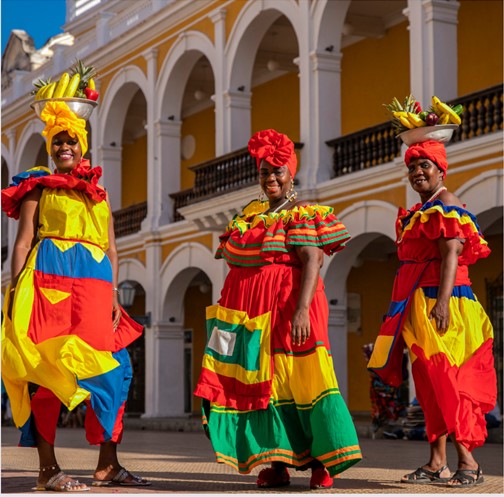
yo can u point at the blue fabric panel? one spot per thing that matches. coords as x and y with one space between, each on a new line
396 307
76 262
28 433
458 292
27 174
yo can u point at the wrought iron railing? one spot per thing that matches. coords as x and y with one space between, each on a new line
217 176
129 220
377 145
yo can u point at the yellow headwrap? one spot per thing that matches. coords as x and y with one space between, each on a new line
58 117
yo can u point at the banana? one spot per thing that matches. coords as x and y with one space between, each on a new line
91 84
40 93
398 114
444 119
405 122
446 109
72 85
435 105
62 85
415 120
49 91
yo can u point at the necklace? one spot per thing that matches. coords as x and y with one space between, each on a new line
435 194
281 205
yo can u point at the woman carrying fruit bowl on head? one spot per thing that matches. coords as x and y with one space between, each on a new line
64 333
436 314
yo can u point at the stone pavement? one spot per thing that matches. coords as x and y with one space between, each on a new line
183 463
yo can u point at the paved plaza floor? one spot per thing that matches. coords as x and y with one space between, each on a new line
183 463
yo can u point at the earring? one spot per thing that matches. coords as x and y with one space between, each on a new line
261 195
291 195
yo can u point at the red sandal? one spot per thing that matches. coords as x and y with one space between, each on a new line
271 478
320 479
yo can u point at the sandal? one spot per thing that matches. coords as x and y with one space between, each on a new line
271 478
464 478
120 478
320 479
422 476
57 484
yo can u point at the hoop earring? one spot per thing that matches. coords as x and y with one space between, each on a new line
291 195
261 195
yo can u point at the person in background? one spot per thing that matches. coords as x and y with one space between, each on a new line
64 332
269 390
435 312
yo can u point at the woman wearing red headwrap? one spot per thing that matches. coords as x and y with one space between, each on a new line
268 385
435 312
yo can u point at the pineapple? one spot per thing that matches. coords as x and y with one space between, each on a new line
85 73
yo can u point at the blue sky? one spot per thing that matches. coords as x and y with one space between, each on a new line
41 19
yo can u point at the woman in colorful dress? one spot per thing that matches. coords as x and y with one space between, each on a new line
445 328
64 333
269 390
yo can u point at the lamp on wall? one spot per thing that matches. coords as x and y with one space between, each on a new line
199 95
272 65
127 292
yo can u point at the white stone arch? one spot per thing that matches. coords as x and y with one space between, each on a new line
250 27
177 272
27 148
328 19
132 270
177 67
483 196
115 104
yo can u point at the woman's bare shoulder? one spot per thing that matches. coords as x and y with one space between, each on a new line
449 198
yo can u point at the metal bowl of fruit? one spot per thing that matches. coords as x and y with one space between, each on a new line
439 133
82 107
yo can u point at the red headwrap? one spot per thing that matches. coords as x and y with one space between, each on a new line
432 150
274 147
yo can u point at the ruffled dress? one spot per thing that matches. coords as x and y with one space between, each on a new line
61 335
266 399
454 373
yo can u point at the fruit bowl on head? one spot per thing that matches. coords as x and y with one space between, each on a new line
82 107
440 133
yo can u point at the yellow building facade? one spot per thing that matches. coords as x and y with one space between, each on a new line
184 84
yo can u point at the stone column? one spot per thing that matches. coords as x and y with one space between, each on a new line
164 395
218 17
237 118
166 166
325 115
110 157
338 340
433 48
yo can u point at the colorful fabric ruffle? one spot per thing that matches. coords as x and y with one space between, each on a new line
310 225
83 179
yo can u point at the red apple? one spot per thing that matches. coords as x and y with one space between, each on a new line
91 94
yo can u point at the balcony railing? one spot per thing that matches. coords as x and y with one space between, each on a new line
217 176
129 220
377 145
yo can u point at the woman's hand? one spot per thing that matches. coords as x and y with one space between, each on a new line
116 314
441 315
300 331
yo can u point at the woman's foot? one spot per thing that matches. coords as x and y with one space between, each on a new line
320 478
112 476
428 474
464 477
276 476
51 478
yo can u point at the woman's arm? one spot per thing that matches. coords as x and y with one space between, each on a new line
312 259
112 255
450 250
26 234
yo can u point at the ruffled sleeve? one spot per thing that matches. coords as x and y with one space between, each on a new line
83 178
316 226
436 220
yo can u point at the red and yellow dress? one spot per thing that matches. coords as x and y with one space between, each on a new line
61 336
266 399
454 373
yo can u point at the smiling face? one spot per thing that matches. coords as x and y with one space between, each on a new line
424 176
275 182
66 152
